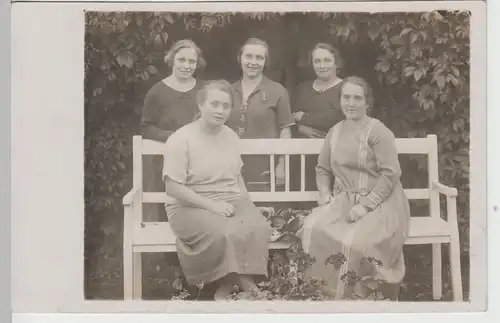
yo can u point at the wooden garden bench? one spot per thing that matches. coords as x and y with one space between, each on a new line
139 236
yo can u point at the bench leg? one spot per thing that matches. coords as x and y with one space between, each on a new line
437 271
137 275
128 272
456 269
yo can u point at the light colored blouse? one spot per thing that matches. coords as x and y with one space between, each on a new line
210 165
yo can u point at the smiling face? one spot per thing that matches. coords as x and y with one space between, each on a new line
323 62
217 107
253 60
353 101
184 63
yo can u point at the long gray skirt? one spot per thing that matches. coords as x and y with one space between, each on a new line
379 236
210 246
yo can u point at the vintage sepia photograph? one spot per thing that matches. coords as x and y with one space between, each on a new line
277 156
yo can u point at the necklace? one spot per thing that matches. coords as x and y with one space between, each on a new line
325 85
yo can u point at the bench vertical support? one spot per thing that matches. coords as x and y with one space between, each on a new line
302 173
455 264
132 266
435 211
127 253
137 275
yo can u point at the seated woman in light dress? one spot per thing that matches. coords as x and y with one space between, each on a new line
221 235
364 214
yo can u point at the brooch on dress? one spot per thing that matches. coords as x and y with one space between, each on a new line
264 97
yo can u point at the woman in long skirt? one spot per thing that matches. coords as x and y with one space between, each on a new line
363 216
221 235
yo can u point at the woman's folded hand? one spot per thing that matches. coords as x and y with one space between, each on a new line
357 212
324 199
222 208
298 115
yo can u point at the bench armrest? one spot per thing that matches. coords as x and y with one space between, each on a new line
131 197
443 189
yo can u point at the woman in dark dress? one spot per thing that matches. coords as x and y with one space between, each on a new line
169 105
316 104
261 109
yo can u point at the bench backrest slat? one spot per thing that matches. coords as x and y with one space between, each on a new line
306 196
295 146
274 147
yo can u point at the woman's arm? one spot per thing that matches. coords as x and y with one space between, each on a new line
285 133
324 171
243 186
322 118
149 119
310 132
383 144
185 194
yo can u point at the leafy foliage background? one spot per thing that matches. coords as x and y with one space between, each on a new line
417 63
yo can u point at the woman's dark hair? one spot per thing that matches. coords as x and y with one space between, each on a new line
255 41
180 44
339 62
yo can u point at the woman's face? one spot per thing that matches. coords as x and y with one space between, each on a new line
185 61
353 101
253 59
217 107
323 63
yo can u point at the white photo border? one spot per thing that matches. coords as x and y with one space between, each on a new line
47 196
5 295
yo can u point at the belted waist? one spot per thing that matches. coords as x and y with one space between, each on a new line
337 189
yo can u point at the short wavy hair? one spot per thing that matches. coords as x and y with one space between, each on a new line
255 41
339 61
364 84
221 85
184 43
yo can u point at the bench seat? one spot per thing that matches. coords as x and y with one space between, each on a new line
158 236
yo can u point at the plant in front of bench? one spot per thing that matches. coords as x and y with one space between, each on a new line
288 280
287 268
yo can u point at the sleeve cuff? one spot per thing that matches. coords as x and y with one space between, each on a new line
369 202
286 125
